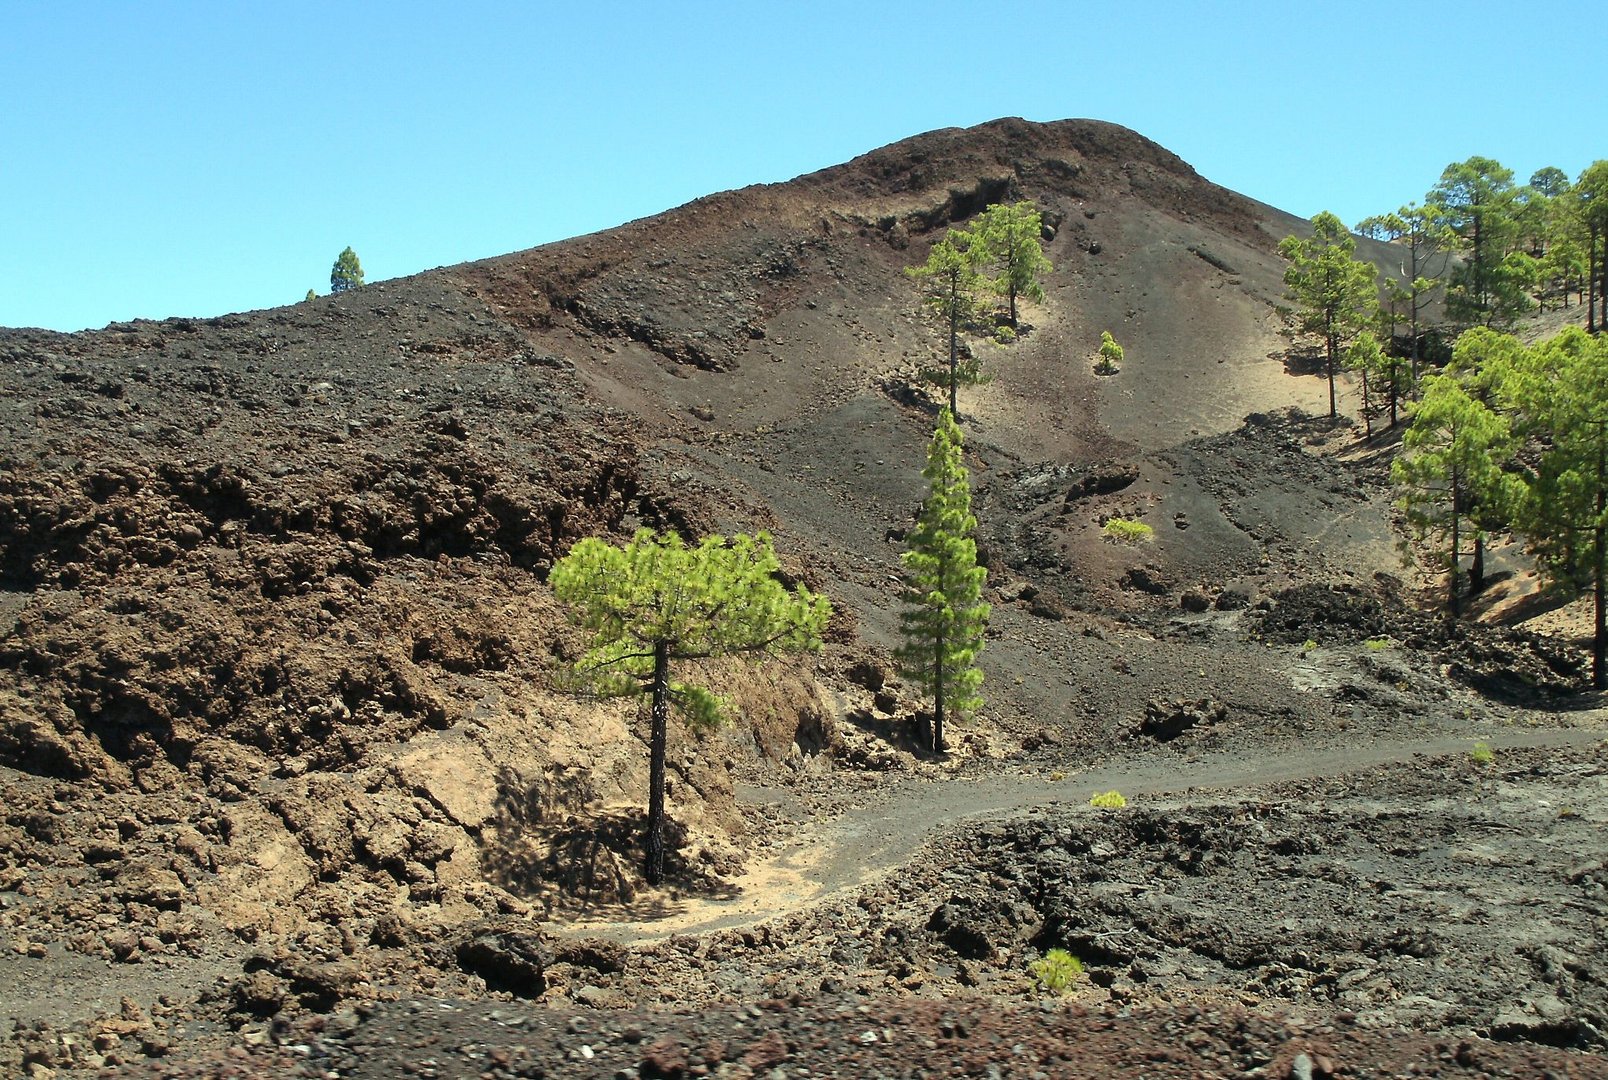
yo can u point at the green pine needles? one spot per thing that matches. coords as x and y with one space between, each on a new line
347 273
952 279
1009 235
945 615
1000 254
657 601
1110 355
1057 971
1335 293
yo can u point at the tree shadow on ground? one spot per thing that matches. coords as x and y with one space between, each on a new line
1304 360
1522 610
912 734
549 846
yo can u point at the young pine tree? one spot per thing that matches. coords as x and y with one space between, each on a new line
655 602
945 615
952 283
1379 372
1110 354
1426 244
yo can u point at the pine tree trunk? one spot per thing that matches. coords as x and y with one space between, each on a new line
1599 633
1476 572
1329 364
1602 286
1481 294
658 738
1367 405
954 351
1457 509
1591 285
938 692
1416 347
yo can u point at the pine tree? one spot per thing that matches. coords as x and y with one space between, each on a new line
1451 473
655 602
1380 373
952 281
1110 354
1009 236
1426 243
347 273
1477 200
945 614
1560 395
1336 293
1590 210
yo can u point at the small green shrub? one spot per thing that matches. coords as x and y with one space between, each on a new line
1482 754
1127 530
1376 644
1004 335
1108 800
1308 645
1056 971
1110 354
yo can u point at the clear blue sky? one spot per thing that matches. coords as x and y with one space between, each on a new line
164 158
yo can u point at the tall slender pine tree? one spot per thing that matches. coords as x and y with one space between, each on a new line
1336 293
952 282
945 615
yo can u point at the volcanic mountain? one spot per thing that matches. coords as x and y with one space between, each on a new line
279 726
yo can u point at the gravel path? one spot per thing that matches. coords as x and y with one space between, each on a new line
874 839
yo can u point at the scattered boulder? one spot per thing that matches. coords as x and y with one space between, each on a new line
1047 607
959 928
260 993
1147 579
1101 480
321 985
869 673
511 961
147 882
1236 596
976 924
1167 720
390 932
1019 589
607 957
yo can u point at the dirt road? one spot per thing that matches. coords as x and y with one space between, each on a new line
874 839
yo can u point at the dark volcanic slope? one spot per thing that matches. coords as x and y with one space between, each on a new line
277 726
796 285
